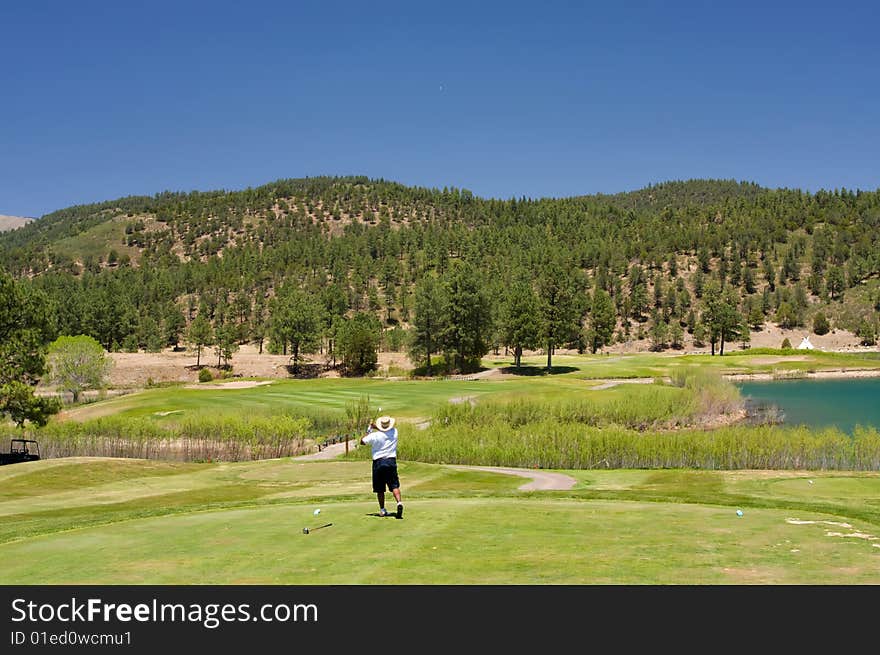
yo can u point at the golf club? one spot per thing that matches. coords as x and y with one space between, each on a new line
370 426
307 530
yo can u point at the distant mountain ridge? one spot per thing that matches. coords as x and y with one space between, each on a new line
340 199
12 222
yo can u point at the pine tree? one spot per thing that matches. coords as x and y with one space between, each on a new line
519 319
835 281
199 335
358 343
556 298
602 321
466 332
428 321
295 320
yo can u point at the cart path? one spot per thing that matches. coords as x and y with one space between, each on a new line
539 480
330 452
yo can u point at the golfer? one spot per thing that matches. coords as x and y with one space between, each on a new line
382 437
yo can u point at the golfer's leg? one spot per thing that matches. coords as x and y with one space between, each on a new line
381 496
396 492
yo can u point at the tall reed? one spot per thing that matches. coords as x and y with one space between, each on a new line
198 438
550 444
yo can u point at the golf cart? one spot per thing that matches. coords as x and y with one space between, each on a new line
21 450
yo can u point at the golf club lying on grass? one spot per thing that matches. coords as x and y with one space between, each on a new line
307 530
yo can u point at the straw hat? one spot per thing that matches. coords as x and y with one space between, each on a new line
384 423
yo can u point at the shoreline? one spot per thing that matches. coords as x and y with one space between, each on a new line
781 376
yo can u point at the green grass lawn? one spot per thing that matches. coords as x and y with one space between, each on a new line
92 521
644 365
120 521
402 398
416 399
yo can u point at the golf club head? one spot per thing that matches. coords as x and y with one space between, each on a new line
307 530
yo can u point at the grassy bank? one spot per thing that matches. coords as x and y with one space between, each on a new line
693 396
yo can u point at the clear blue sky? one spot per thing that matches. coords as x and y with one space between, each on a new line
104 99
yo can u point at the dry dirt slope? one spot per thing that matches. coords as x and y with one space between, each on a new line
12 222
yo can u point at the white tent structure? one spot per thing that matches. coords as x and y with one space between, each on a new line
806 345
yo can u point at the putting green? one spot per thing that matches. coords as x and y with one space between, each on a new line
242 523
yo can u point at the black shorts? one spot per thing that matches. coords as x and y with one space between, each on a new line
385 474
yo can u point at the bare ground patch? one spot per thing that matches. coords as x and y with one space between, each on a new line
135 370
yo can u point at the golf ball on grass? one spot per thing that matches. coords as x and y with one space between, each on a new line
317 511
739 512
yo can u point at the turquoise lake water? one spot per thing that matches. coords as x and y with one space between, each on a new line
844 403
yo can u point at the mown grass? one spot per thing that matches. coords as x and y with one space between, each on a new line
210 524
645 365
322 399
79 475
319 400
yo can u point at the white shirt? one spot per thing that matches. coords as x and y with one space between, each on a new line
383 444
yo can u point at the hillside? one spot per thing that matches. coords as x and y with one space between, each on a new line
12 222
136 271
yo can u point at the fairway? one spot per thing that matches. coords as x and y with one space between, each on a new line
92 521
404 398
417 399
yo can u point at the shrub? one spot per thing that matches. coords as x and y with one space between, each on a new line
867 334
820 323
786 344
78 363
205 375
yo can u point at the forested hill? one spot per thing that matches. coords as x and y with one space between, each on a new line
362 245
677 195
